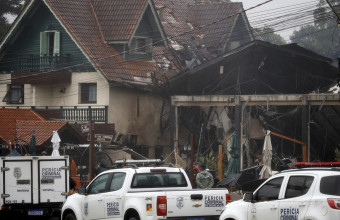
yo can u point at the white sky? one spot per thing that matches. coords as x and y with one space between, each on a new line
275 6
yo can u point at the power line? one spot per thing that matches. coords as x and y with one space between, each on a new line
125 61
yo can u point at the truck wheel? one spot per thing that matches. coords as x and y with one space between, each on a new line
133 218
70 216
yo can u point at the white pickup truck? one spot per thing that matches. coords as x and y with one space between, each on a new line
33 185
144 193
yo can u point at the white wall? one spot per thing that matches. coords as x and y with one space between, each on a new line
50 95
123 113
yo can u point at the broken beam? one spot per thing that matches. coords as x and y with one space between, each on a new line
253 100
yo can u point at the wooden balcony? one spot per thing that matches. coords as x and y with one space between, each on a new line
41 63
71 113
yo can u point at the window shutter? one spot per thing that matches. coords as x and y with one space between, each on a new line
148 43
43 43
56 48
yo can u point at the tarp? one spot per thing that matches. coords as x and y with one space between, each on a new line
233 166
33 146
235 180
55 140
14 153
266 170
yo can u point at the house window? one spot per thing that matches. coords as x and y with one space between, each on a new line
88 93
234 45
50 43
141 45
14 95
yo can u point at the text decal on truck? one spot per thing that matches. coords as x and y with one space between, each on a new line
213 201
112 208
289 213
51 173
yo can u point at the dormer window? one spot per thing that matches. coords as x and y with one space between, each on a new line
50 43
141 45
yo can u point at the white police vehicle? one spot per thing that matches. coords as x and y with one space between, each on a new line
144 193
308 193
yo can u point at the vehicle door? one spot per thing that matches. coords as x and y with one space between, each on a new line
17 182
114 198
93 203
266 204
297 196
52 180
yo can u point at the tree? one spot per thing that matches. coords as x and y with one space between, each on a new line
337 154
323 36
268 35
7 7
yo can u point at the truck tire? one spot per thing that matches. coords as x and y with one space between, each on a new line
133 218
70 216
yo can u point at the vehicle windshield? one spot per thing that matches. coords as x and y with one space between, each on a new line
330 185
152 180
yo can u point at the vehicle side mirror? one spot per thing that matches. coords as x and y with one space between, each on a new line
82 190
248 197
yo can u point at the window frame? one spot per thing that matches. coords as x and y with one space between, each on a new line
45 43
298 176
8 97
82 99
145 48
326 190
265 184
112 181
107 179
163 177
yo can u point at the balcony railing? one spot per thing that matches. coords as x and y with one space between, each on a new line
71 113
41 63
84 114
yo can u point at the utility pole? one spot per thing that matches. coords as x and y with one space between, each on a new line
91 152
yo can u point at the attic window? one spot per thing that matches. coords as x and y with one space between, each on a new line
50 43
141 45
14 95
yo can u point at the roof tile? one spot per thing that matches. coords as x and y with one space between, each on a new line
43 130
8 120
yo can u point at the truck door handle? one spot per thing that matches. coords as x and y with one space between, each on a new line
302 204
196 196
100 200
274 207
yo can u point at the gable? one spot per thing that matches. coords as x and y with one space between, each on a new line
25 45
118 19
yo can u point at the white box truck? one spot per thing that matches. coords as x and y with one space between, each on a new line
33 185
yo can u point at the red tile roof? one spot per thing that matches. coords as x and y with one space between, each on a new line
87 32
93 23
118 18
182 20
217 21
43 130
8 120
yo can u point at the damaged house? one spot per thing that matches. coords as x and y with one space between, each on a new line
111 62
284 89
